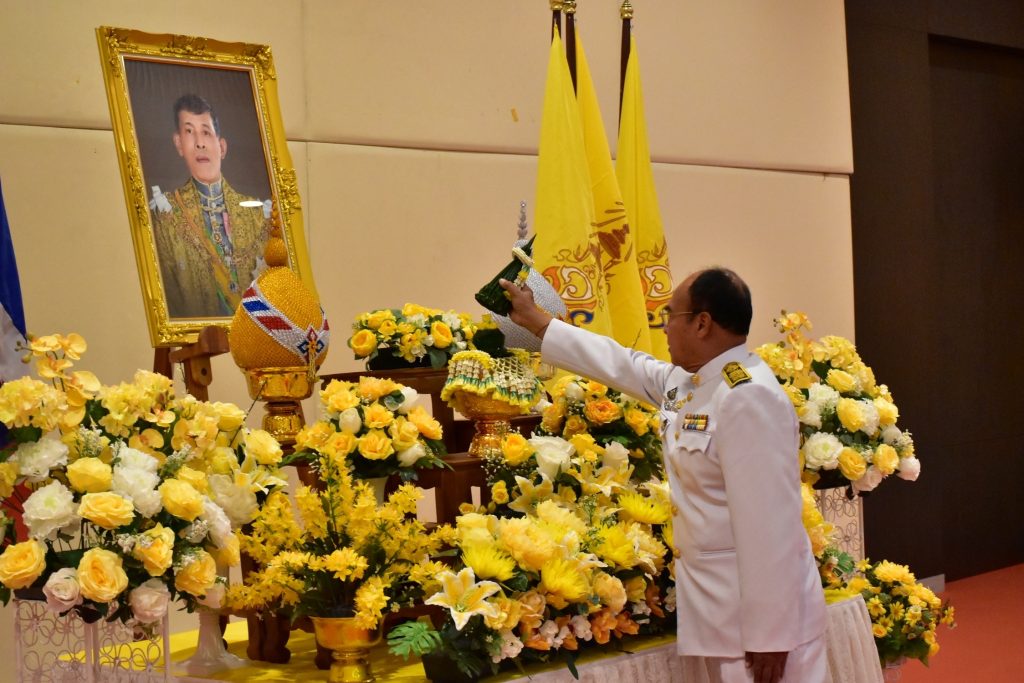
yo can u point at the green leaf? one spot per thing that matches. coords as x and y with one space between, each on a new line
413 637
438 358
25 434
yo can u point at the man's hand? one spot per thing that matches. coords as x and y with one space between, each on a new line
524 310
767 667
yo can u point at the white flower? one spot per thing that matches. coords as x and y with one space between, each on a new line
217 522
62 590
639 609
872 478
37 458
539 406
235 496
411 455
349 421
553 454
821 451
409 398
909 469
149 601
825 396
511 646
136 460
581 627
573 392
670 599
214 596
810 414
452 320
615 455
48 509
891 434
870 413
140 485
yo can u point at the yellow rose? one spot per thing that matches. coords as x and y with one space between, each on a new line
376 445
90 475
551 418
574 425
376 416
558 391
409 310
428 426
229 416
886 459
108 510
262 446
516 448
850 413
195 478
442 335
602 411
404 433
223 461
372 388
155 550
363 343
888 413
101 575
499 493
8 475
22 563
637 421
595 389
312 437
181 499
387 328
375 319
339 445
841 381
852 464
198 576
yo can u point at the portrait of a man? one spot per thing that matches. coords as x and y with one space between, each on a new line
209 237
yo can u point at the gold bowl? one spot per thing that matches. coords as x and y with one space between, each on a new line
349 646
492 418
282 390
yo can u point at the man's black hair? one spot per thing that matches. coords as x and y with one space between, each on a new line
196 105
722 293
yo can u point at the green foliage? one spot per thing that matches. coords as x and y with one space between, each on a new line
413 637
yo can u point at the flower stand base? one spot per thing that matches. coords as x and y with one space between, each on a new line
211 655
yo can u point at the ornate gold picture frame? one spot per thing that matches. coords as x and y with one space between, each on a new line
203 159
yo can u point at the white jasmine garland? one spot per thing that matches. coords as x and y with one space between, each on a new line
821 451
149 601
615 455
35 459
552 454
410 456
49 509
62 590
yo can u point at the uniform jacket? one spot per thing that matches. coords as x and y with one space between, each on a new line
746 579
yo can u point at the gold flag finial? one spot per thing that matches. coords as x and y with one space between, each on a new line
626 11
569 6
556 5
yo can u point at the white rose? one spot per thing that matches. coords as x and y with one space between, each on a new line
553 454
410 456
36 459
824 395
214 596
909 469
235 497
149 601
872 478
62 590
810 414
409 398
539 406
573 392
349 421
891 434
870 413
821 451
49 509
139 485
615 455
136 460
217 521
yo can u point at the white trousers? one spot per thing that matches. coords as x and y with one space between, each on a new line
806 664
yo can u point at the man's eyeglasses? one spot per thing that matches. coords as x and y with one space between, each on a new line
667 315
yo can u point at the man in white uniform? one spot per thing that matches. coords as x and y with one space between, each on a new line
750 603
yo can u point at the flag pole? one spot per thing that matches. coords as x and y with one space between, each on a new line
556 17
626 12
569 7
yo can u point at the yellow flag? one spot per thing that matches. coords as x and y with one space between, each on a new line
636 179
566 251
626 306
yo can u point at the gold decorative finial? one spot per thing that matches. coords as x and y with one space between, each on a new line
556 5
626 11
569 6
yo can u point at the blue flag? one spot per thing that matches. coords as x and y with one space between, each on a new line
12 314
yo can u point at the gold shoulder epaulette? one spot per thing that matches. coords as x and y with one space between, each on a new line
734 374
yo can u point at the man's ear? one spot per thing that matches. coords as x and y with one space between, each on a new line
703 324
177 144
223 147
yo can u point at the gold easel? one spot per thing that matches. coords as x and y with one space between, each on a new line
212 341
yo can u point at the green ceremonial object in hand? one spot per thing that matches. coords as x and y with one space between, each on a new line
495 299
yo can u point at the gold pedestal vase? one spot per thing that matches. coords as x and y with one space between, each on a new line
491 417
350 647
282 390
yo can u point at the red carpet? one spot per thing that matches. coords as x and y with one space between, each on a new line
988 642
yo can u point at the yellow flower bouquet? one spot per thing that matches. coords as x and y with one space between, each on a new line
562 563
375 428
847 420
350 557
412 336
130 497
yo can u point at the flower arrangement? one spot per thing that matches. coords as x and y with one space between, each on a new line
615 421
375 428
349 558
129 495
847 421
573 554
412 336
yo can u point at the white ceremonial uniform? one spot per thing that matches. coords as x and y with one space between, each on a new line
746 579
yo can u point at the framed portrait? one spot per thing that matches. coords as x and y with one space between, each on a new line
206 172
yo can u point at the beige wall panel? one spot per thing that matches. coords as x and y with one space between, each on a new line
51 74
730 83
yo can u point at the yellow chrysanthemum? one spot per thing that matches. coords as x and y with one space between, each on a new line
563 582
615 547
488 562
643 509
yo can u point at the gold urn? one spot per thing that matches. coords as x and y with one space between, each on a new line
349 646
